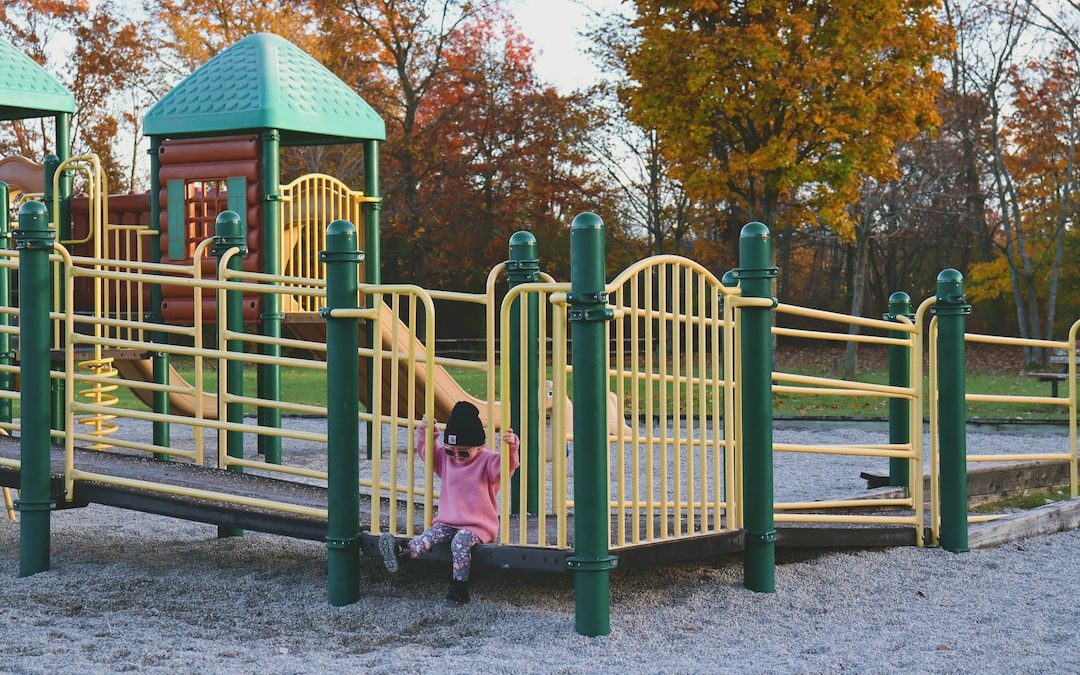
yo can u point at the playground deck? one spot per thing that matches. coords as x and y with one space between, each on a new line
186 475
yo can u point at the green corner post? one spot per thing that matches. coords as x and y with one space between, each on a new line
159 360
372 258
6 355
63 153
34 240
343 409
591 562
56 390
229 234
951 308
899 376
522 268
755 274
269 382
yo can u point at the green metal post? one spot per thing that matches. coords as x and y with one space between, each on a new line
343 410
229 234
951 308
271 318
56 387
160 360
6 356
522 268
34 240
591 562
372 255
755 275
899 376
63 153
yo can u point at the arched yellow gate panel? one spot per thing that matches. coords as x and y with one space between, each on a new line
308 205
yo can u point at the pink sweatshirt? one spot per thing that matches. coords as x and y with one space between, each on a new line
468 492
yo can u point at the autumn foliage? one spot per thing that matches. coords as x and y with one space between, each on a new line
880 140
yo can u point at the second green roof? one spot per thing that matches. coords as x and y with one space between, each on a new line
28 90
265 82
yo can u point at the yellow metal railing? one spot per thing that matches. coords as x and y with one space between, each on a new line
1070 402
201 421
308 204
792 383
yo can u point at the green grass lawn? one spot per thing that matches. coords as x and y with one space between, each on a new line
984 376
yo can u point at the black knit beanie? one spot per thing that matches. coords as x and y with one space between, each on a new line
464 427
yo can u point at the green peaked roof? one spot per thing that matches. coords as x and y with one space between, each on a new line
27 89
265 82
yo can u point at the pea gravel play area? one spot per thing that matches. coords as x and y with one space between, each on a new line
130 592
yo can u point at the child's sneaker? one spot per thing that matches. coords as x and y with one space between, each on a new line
458 593
388 547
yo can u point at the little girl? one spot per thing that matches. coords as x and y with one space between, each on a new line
468 513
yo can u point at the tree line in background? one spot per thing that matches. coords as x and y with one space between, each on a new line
881 140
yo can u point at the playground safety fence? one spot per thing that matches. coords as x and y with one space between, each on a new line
684 398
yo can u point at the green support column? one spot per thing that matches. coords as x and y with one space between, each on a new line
591 562
522 268
63 153
229 234
343 411
372 255
6 356
56 387
755 276
271 318
899 376
34 240
160 360
951 308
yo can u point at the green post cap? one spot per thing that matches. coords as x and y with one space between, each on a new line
754 229
899 305
755 255
522 245
341 235
524 263
587 221
228 233
33 223
730 279
341 243
950 286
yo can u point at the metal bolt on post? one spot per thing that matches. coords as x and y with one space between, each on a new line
229 234
591 562
524 267
755 275
343 409
899 376
951 308
34 241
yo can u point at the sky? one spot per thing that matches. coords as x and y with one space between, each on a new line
554 26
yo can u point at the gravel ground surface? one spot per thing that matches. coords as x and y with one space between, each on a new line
133 592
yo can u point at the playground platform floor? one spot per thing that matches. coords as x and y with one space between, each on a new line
229 514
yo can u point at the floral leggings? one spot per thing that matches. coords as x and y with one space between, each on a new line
460 547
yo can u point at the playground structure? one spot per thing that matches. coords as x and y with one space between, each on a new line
685 470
